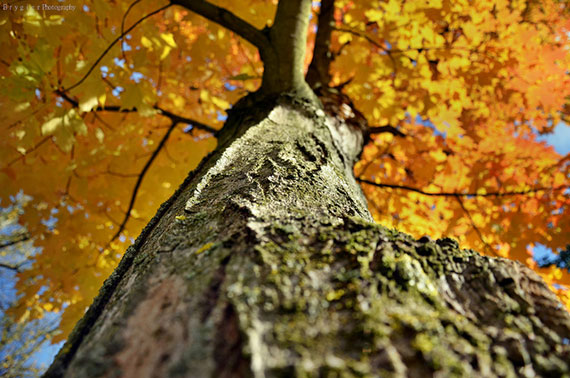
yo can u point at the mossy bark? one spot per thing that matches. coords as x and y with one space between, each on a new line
266 263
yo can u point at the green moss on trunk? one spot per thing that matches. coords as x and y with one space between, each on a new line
266 263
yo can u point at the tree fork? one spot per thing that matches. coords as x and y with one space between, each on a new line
282 47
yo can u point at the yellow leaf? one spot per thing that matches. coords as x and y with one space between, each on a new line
47 306
88 104
51 126
146 42
344 38
21 107
223 104
99 135
204 95
165 52
168 38
374 15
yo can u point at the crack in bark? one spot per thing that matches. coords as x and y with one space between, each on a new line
229 358
211 297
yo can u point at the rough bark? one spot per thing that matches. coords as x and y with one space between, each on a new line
266 263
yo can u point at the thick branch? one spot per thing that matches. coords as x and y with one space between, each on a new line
284 63
226 19
282 49
458 194
318 73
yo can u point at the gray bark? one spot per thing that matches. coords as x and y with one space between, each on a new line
266 263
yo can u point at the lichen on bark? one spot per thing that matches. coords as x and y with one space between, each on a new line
266 263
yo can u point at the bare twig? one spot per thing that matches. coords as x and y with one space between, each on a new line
115 108
123 27
459 194
120 37
15 268
141 177
38 145
475 227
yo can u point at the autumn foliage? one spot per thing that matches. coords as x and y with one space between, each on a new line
100 130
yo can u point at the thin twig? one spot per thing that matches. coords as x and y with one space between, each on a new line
15 268
111 46
38 145
123 28
117 109
140 179
459 194
475 227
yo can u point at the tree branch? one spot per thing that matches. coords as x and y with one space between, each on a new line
362 34
283 69
458 194
179 119
318 73
15 240
15 268
120 37
226 19
475 227
140 179
38 145
115 108
123 27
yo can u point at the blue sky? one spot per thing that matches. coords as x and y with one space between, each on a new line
560 139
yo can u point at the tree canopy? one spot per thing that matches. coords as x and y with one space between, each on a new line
106 106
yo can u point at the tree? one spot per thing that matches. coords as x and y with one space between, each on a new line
265 261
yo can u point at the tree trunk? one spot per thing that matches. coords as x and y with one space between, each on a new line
266 263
